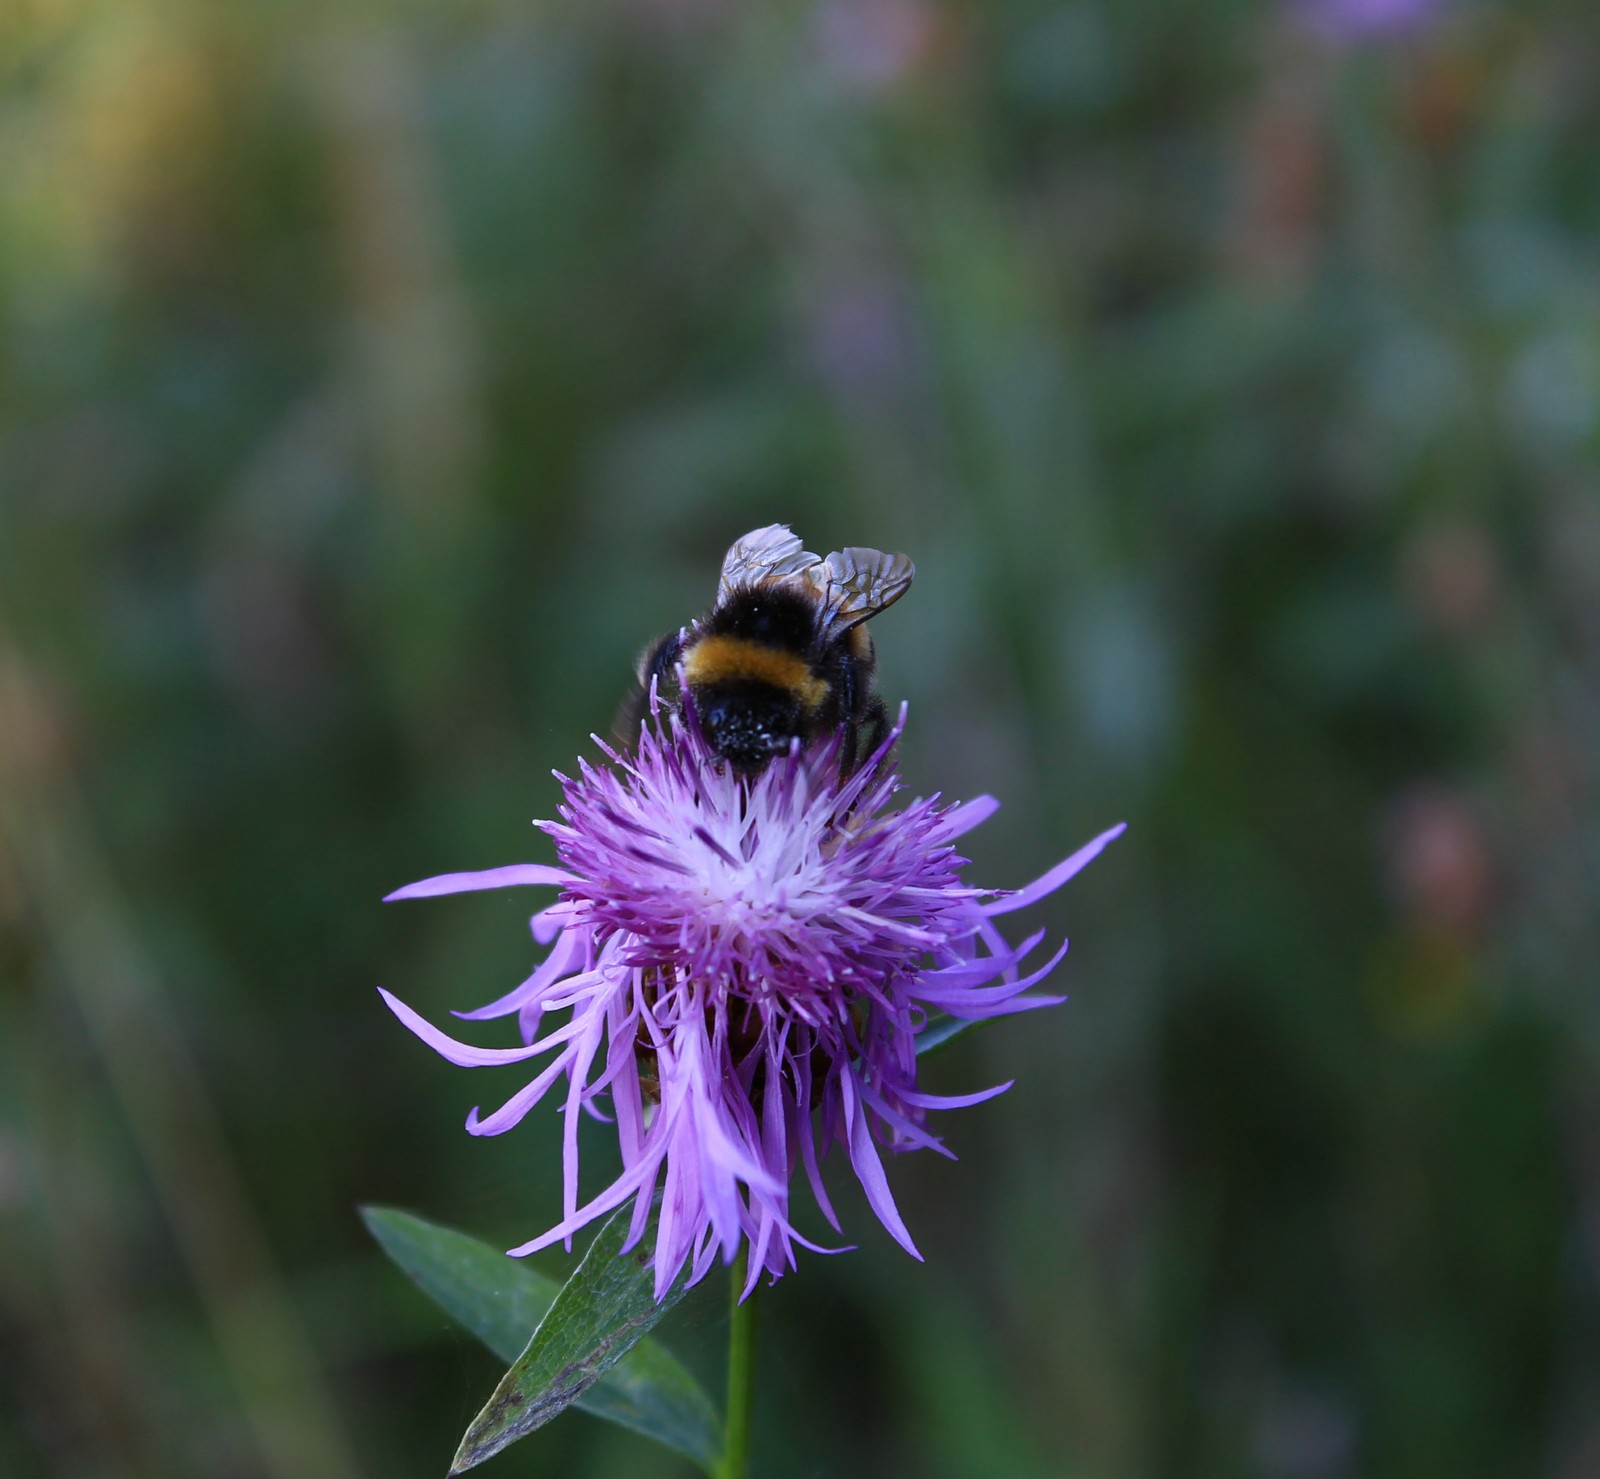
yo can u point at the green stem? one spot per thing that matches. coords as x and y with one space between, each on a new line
741 1373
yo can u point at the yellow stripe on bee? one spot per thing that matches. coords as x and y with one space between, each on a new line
716 659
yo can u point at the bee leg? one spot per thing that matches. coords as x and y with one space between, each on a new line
657 664
863 735
660 662
849 691
866 720
870 732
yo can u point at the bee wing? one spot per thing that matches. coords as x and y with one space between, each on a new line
856 583
762 554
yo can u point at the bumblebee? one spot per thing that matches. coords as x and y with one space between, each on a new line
783 654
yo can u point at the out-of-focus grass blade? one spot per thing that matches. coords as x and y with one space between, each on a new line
598 1318
501 1301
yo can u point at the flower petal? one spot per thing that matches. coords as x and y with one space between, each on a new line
462 1053
981 968
583 1053
969 814
869 1169
548 923
1049 882
957 999
515 1109
613 1196
551 969
952 1101
512 875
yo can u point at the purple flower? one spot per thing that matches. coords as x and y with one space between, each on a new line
1362 20
741 967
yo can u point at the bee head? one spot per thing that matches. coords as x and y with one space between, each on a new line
749 723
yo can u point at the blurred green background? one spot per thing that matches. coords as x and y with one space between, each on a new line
376 378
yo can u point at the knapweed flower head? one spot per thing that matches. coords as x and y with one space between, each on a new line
738 971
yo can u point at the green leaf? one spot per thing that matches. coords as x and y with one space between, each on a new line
502 1300
499 1299
941 1030
601 1314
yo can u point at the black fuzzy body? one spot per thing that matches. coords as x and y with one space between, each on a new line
764 675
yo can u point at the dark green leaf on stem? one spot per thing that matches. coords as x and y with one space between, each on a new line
501 1300
600 1315
940 1030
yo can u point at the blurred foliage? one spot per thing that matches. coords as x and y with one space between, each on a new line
376 378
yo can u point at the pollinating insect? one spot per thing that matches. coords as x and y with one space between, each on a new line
783 654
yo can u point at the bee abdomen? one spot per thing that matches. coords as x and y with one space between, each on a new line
717 660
